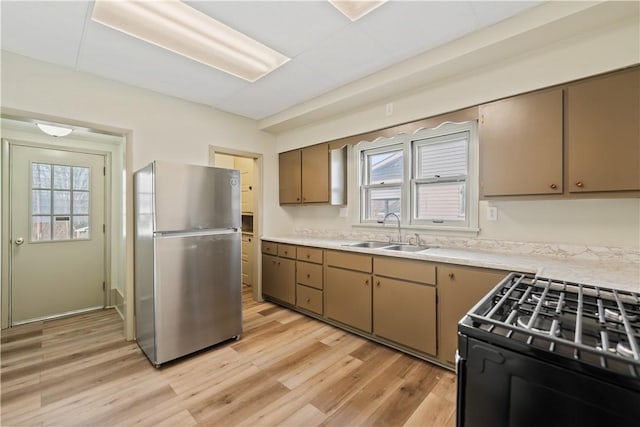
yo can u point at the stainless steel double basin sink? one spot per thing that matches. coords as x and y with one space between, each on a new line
388 246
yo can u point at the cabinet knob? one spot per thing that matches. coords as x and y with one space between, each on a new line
297 199
250 188
285 252
452 276
366 282
308 256
308 299
579 184
553 186
278 263
249 238
308 276
378 283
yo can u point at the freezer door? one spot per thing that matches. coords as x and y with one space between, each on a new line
198 292
195 197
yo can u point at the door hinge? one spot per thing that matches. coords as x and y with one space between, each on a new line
104 228
104 171
104 286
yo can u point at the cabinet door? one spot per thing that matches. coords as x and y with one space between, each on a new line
348 297
603 133
278 278
405 313
521 145
459 289
290 177
315 174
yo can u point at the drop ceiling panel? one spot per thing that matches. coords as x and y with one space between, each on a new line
406 29
490 12
48 31
283 88
118 56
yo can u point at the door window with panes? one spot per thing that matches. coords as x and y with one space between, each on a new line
60 200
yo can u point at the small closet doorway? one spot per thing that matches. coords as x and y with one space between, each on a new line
249 166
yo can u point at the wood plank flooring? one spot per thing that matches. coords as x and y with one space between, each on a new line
287 369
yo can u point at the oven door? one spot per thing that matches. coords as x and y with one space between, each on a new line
499 387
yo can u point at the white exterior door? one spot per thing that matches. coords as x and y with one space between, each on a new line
57 237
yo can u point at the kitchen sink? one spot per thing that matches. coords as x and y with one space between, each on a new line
405 248
371 245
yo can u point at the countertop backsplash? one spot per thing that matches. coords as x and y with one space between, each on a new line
554 250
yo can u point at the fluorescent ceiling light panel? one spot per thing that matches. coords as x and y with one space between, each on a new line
355 9
184 30
54 130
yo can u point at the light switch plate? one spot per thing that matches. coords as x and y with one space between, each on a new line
492 213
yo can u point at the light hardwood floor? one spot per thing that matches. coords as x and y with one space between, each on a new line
287 369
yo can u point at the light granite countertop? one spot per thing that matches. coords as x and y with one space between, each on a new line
606 273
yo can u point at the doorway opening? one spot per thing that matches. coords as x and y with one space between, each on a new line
250 167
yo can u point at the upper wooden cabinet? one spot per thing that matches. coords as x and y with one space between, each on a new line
290 170
304 175
521 145
603 133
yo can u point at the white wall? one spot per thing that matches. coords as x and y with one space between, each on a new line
608 222
157 127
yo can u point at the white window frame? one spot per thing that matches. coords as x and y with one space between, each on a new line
408 187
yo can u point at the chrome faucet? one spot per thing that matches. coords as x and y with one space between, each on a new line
384 220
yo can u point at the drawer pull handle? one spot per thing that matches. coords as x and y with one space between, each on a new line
553 186
452 276
308 256
308 299
579 184
308 276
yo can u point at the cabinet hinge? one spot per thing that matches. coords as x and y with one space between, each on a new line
104 228
104 286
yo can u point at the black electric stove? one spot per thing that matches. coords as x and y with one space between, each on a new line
538 351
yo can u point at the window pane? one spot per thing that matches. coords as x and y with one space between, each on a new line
381 201
80 178
441 201
40 228
40 175
442 159
80 202
40 202
61 202
61 227
385 167
80 227
62 177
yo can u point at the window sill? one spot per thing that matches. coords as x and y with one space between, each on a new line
446 230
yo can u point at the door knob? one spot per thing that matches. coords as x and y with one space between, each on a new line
19 241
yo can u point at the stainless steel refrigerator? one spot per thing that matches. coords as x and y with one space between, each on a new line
188 292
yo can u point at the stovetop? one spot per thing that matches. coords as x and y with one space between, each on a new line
571 322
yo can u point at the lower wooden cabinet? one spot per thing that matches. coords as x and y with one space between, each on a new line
348 297
405 313
279 278
459 289
309 299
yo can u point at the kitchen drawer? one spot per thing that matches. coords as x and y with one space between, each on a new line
349 261
309 274
412 270
269 248
310 254
287 251
309 299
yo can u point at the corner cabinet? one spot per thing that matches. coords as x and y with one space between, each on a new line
304 175
459 289
521 145
603 133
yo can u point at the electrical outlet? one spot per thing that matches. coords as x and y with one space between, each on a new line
492 213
